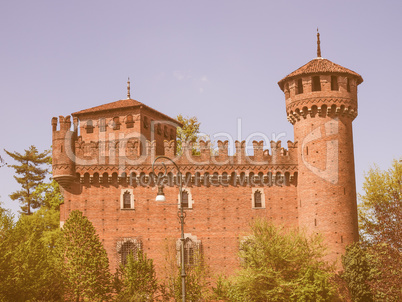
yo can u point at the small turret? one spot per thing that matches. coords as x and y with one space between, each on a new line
63 145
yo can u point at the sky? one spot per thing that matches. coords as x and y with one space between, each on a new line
217 60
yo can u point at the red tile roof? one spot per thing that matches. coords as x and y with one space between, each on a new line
122 104
320 65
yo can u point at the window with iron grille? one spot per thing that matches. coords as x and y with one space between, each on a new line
126 247
192 251
184 199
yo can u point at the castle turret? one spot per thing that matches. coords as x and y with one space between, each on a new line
321 103
63 150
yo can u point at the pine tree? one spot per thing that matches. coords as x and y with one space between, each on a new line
86 265
31 175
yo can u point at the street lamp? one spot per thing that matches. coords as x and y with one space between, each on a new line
161 197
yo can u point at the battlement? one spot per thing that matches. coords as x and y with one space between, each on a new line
134 151
63 124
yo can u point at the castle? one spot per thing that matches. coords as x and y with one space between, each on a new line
104 166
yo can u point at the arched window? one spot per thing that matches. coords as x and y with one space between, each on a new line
116 123
184 200
192 250
126 200
129 121
257 199
126 247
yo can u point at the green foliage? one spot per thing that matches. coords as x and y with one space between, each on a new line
380 212
48 195
358 272
380 216
197 284
197 278
86 265
29 266
137 279
188 133
280 265
31 175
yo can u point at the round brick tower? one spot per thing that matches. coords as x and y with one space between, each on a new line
321 103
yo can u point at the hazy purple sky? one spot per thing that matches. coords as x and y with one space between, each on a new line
218 60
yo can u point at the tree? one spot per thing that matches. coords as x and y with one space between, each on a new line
29 266
137 279
358 272
188 133
86 265
380 212
197 277
380 215
31 176
279 265
48 195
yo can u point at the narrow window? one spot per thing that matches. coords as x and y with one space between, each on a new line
89 126
257 199
347 84
102 125
341 239
189 255
129 121
165 131
126 200
316 84
191 252
159 129
315 222
334 83
145 122
299 86
184 200
306 150
116 123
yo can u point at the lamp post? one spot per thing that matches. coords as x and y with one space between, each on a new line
161 197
